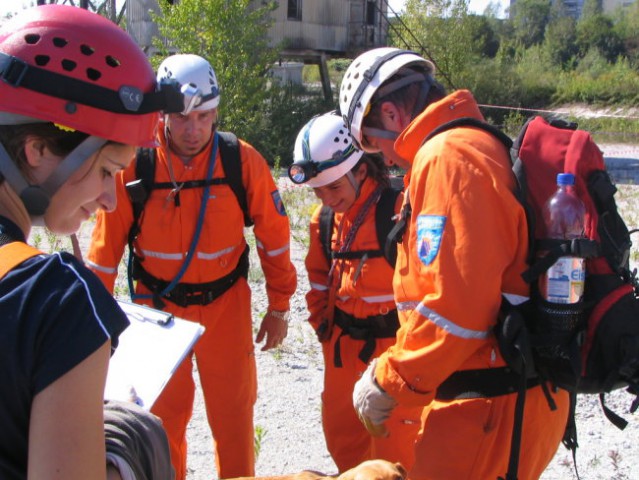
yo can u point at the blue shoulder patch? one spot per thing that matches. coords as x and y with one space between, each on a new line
430 229
277 201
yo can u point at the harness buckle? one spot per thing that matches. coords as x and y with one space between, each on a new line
12 69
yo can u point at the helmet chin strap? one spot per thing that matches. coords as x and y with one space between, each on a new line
356 186
36 198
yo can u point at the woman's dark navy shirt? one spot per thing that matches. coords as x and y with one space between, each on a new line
54 313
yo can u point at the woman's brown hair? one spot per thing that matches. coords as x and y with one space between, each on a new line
59 142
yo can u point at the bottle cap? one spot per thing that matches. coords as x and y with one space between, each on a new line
565 179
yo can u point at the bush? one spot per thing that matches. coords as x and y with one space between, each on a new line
599 83
284 113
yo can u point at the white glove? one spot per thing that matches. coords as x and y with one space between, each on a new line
372 404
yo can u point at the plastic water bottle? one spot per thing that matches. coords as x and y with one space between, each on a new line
564 216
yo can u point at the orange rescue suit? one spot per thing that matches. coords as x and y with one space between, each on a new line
448 291
364 294
225 353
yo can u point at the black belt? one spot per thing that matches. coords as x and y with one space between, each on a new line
367 329
482 383
185 294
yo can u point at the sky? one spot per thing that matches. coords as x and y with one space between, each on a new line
476 6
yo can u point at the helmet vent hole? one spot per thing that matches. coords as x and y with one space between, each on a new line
87 50
42 60
32 38
336 140
59 42
112 61
69 65
93 74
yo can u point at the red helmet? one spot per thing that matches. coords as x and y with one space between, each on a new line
75 68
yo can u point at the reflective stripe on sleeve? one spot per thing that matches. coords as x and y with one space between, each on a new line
273 253
443 322
319 287
100 268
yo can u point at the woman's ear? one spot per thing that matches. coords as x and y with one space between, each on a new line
361 173
34 151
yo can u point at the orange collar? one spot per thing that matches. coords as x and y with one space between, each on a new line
460 103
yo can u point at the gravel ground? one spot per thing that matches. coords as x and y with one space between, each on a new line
289 437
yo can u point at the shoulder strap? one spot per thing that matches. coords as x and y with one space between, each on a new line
384 223
13 254
230 153
473 122
140 188
326 219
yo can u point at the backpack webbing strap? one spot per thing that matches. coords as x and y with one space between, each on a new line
326 218
13 254
384 223
475 123
185 294
366 329
230 153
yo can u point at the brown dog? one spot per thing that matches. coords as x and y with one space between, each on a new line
368 470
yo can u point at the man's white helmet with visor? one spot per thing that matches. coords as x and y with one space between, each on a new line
324 151
364 78
197 79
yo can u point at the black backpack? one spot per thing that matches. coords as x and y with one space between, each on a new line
597 349
384 223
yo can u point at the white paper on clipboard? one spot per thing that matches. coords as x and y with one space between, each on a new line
148 353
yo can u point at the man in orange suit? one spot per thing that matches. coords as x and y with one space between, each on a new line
463 248
190 258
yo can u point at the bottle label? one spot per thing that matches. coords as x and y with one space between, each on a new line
565 280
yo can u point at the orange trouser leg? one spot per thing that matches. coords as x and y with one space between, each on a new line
471 438
226 365
399 446
348 442
175 406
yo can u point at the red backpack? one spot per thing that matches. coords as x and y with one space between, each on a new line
596 350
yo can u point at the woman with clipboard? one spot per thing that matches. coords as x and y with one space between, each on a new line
76 97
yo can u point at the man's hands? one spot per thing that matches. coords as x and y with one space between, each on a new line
372 404
274 327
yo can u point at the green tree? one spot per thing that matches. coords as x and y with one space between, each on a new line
445 33
241 57
484 39
591 8
530 20
560 39
597 32
626 24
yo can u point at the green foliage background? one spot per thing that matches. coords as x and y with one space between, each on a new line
537 58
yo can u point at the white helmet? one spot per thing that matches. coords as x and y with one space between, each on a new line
198 80
363 79
324 151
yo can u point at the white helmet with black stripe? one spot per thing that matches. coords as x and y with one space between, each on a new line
197 77
366 77
324 151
